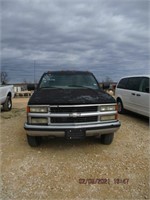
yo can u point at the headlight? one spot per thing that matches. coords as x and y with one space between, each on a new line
107 108
38 109
39 120
108 117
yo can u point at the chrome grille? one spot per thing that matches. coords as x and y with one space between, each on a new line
73 109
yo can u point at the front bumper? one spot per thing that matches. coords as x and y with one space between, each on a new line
59 131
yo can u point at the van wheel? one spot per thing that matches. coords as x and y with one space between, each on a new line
34 141
120 107
107 138
8 104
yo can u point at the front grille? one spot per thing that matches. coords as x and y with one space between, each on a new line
68 114
73 120
74 109
71 114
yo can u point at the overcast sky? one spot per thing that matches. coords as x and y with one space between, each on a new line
107 37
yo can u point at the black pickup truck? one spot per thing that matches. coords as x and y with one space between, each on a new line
72 105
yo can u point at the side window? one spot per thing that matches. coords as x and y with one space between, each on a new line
144 87
134 83
122 83
44 82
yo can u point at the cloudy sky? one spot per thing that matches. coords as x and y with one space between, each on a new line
109 38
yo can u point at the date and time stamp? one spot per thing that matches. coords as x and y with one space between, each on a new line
117 181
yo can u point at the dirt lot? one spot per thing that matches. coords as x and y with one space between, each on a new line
60 169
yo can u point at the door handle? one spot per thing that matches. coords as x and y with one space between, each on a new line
138 95
133 93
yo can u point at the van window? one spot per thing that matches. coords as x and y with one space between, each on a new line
122 83
144 87
134 83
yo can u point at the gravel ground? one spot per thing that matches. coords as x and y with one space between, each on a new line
60 169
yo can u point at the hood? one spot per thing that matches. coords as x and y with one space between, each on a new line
60 96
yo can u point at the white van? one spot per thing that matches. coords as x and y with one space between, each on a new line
132 93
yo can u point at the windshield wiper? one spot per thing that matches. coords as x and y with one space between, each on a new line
75 86
49 87
81 86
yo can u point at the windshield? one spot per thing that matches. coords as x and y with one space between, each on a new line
68 81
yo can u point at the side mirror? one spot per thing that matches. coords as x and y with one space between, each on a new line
31 87
147 90
106 86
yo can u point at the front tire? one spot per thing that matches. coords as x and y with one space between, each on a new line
34 141
120 107
107 138
8 104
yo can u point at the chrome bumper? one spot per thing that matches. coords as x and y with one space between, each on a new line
59 131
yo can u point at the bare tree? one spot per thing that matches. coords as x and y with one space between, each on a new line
24 80
4 78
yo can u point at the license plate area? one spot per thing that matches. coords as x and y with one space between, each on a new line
74 134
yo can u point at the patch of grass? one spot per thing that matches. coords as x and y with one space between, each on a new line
13 113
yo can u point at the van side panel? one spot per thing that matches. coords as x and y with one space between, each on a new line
134 94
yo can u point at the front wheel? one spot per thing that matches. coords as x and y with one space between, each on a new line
120 107
8 104
107 138
34 141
